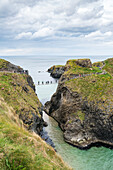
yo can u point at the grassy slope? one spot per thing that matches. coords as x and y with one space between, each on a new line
3 63
17 93
94 88
20 149
109 65
73 68
98 64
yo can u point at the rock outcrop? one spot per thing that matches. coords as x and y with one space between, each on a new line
81 62
30 82
83 108
56 71
7 66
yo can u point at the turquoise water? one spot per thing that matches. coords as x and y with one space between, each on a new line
92 159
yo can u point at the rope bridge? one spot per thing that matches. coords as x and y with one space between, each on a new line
47 82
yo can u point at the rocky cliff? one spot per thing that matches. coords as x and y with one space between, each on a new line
83 104
18 90
56 71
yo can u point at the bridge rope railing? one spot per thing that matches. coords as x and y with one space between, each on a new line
73 77
47 82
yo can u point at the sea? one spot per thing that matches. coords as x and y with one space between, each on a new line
96 158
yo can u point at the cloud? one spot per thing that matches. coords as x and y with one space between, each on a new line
44 32
26 35
56 21
56 15
99 35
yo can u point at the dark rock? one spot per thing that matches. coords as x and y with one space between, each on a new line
25 89
45 124
30 82
44 136
26 72
56 71
11 67
38 123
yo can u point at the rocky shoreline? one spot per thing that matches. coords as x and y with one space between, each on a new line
41 130
85 118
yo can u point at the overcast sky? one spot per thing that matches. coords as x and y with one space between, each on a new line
61 27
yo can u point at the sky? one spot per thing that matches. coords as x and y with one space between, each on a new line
56 27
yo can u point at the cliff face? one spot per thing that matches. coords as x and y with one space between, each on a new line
30 82
83 107
18 90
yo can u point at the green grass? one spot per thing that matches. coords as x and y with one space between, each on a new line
73 68
109 65
12 89
53 68
98 64
3 63
20 149
58 66
95 88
